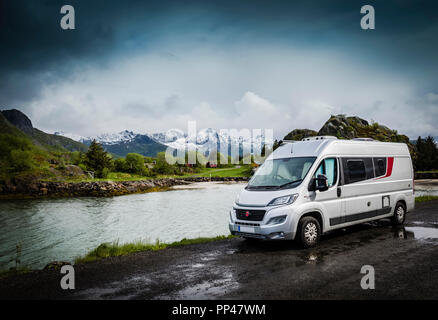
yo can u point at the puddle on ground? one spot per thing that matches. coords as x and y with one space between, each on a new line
422 223
198 265
209 289
423 232
210 256
312 257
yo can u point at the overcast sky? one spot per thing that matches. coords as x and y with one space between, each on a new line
152 66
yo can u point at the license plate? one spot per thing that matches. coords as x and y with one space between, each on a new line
245 229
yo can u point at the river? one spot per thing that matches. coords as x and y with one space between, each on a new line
63 229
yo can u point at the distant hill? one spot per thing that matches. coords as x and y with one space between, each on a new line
16 122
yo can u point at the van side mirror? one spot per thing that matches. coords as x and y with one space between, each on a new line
319 183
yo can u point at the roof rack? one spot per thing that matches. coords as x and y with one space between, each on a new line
320 138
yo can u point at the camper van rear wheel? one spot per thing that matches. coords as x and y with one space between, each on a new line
399 214
309 232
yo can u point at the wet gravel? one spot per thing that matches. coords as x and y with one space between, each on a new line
405 260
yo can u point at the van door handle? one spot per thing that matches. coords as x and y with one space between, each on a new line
338 191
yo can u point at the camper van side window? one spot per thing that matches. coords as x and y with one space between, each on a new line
356 170
380 166
329 168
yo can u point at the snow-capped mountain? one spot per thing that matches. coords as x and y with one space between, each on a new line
106 138
209 139
112 138
72 136
205 141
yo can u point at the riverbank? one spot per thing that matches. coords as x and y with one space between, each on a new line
55 189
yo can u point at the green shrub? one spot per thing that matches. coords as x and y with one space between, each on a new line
134 163
119 165
105 172
21 160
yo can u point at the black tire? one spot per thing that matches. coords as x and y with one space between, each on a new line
309 232
399 214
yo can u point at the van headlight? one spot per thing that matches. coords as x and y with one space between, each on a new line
283 200
277 220
236 201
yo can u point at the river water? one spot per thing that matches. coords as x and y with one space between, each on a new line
63 229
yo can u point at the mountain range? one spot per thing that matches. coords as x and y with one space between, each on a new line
149 144
119 144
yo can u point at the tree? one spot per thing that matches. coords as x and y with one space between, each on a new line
120 165
427 154
97 159
162 167
134 163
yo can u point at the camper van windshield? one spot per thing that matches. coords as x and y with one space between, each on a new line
281 173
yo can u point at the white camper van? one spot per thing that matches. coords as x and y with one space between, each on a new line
306 188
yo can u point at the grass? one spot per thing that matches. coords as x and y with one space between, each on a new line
13 272
427 171
205 172
425 198
106 250
223 172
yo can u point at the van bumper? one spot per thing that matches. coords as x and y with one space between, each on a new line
266 232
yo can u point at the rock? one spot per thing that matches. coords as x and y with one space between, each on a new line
74 171
299 134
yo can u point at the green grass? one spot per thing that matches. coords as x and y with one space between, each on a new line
205 172
13 272
222 172
106 250
425 198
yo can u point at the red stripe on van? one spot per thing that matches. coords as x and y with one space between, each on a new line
389 168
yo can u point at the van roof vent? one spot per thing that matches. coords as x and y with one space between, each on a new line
320 138
363 139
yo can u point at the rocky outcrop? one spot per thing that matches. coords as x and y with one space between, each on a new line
300 134
18 119
98 188
344 127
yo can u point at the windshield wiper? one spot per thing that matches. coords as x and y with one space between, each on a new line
262 187
291 182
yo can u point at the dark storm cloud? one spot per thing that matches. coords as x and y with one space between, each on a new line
36 53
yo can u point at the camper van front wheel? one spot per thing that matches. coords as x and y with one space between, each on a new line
399 214
309 232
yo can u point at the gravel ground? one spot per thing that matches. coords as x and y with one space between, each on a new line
405 260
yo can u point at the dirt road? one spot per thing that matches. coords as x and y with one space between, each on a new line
405 261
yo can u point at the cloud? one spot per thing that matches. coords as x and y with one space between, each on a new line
151 66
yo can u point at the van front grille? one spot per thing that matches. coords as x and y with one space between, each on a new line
248 224
251 215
